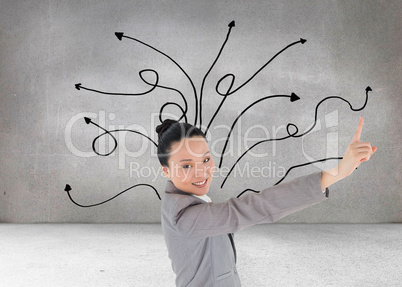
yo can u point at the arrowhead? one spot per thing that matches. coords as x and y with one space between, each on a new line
87 120
119 35
67 188
303 40
368 89
232 24
294 97
78 86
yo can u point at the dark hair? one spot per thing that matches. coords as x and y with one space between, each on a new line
170 132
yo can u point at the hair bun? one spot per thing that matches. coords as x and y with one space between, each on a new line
164 126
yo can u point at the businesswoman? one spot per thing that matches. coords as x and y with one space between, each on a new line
198 232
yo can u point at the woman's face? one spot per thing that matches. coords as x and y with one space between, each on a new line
191 166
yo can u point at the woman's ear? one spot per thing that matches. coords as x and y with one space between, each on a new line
165 171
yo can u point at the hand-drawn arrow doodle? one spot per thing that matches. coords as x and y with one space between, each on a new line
89 121
231 25
153 86
120 36
229 92
368 89
220 91
287 172
68 189
293 97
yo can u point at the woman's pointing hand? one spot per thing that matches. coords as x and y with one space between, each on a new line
356 153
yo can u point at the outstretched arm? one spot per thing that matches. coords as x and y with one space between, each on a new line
356 153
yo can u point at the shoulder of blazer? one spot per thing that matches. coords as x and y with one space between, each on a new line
171 188
177 200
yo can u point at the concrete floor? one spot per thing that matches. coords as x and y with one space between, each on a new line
135 255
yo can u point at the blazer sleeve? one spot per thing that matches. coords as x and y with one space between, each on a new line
267 206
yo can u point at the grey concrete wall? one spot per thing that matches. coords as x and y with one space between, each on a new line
49 46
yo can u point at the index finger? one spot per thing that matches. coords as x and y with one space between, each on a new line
356 137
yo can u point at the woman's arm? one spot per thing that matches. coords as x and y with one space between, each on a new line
356 153
187 217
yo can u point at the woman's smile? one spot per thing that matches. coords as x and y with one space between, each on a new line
201 183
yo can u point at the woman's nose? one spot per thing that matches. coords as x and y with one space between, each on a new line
200 171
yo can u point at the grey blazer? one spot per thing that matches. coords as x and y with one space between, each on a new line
199 235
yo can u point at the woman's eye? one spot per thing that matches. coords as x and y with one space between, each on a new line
189 165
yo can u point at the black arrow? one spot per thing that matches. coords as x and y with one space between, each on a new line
89 121
302 41
79 87
229 92
231 25
368 89
120 36
68 189
250 148
287 172
293 97
153 86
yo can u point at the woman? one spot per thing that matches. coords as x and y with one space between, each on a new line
199 233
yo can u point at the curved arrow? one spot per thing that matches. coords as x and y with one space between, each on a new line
295 166
153 86
231 25
79 86
88 121
368 89
302 41
304 164
120 36
229 92
68 189
293 97
254 145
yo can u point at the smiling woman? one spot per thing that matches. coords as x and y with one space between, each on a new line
199 233
191 166
185 157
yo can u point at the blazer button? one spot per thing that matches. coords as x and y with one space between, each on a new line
235 270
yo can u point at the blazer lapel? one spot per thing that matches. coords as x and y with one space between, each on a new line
233 245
